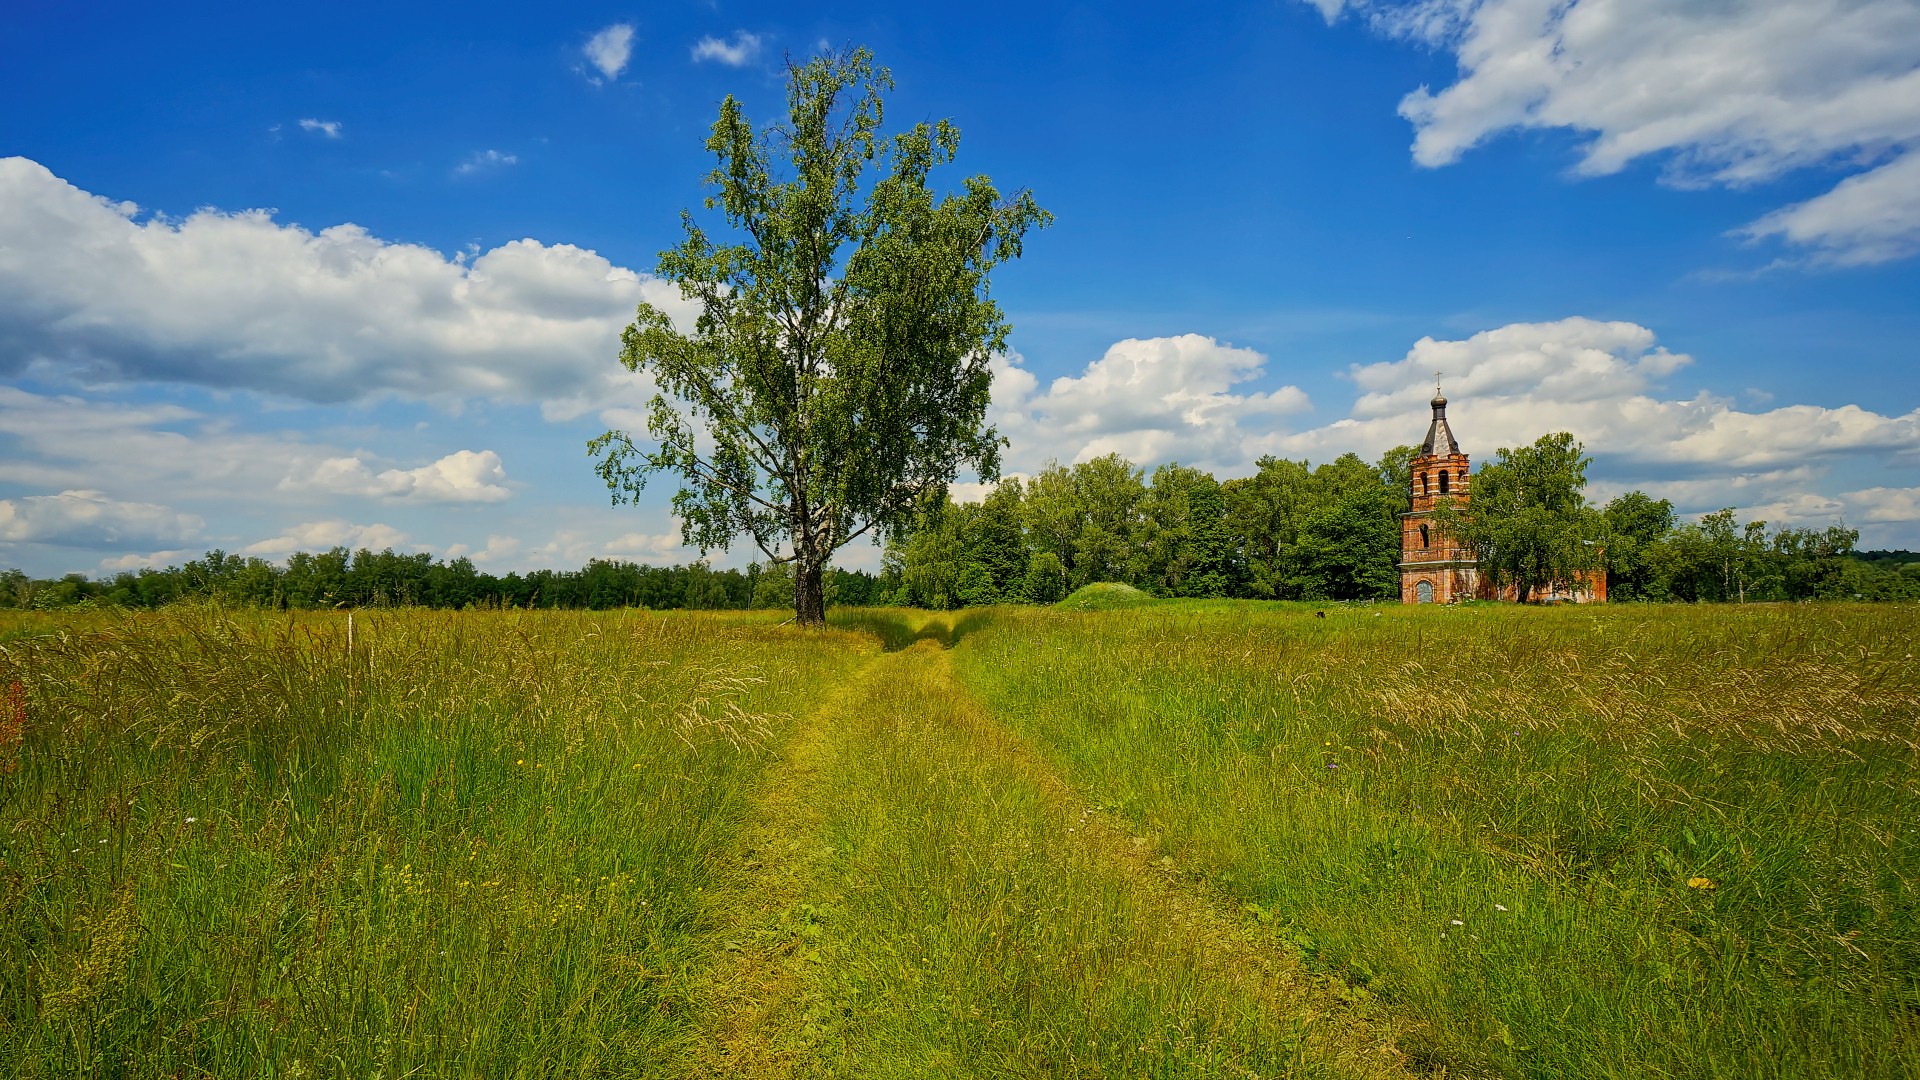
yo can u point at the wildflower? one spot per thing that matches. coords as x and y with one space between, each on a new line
1701 883
1499 907
1457 922
519 761
191 820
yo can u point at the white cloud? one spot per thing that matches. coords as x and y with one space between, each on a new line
498 549
645 546
1883 505
153 559
328 128
237 301
72 442
485 161
1883 516
1153 399
573 547
1169 399
316 536
1596 380
1873 217
462 476
89 519
1728 93
610 49
738 53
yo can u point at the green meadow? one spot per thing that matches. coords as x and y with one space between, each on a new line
1115 838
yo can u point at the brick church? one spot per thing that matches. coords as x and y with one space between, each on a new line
1434 567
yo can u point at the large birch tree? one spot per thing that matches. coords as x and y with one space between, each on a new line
836 378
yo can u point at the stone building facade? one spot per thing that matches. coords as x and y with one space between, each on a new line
1435 568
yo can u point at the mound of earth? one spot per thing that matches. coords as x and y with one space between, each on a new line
1105 596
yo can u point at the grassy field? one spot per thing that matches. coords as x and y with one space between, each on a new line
1120 838
1620 841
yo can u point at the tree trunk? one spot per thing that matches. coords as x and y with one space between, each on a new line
809 592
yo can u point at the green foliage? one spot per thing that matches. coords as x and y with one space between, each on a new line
339 578
1181 545
1529 523
1331 533
1046 581
1635 523
837 376
1087 517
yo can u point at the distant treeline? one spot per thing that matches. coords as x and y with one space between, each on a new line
339 578
1291 531
1295 532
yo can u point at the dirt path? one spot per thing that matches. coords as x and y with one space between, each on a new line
761 1005
749 1001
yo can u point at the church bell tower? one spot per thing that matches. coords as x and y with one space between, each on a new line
1434 567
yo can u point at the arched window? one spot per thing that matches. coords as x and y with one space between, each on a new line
1423 483
1443 481
1423 592
1423 537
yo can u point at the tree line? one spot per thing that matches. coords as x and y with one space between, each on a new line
339 578
1293 531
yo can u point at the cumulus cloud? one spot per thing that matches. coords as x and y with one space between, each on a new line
610 49
88 288
463 476
485 161
1883 516
740 52
1733 94
1598 381
114 564
574 546
72 442
322 535
327 128
1153 399
89 519
498 549
1606 382
1882 505
1870 218
644 546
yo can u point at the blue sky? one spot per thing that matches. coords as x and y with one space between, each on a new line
278 279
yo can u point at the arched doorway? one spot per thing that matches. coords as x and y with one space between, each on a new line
1423 592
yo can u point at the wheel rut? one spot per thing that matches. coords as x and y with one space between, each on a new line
793 992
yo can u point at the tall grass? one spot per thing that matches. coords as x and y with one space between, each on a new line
964 914
467 845
1171 840
1580 842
